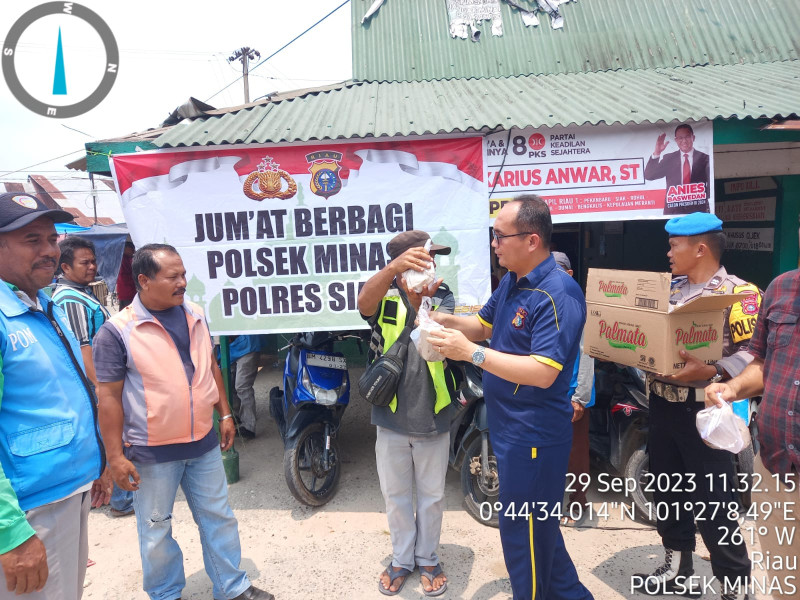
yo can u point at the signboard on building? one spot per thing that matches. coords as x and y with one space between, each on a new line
280 238
601 173
752 239
754 184
752 209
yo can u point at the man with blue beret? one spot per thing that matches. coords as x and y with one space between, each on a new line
698 476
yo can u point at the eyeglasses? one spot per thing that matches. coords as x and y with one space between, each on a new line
499 236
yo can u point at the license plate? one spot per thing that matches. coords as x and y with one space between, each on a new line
326 360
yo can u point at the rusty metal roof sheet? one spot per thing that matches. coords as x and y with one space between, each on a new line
409 40
468 105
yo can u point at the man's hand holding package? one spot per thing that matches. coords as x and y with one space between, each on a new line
694 370
451 343
719 393
416 258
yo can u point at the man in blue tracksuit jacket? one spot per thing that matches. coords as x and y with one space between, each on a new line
534 318
50 446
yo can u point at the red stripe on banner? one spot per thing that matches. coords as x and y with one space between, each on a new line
606 202
465 153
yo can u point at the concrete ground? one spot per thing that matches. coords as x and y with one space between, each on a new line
338 551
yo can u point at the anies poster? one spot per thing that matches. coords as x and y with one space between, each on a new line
605 172
280 238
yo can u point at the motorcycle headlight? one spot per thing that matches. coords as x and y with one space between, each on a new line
325 397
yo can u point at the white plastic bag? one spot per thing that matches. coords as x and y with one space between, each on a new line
420 334
720 428
420 281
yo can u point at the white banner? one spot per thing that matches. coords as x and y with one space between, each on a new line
280 238
604 173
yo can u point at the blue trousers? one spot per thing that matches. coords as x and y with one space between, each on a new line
203 483
532 481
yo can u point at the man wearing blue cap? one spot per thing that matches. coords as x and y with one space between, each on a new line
698 475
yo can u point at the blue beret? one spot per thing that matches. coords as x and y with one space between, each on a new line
693 224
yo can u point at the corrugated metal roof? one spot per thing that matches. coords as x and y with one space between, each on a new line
409 40
463 105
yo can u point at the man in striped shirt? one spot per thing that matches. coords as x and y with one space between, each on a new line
86 314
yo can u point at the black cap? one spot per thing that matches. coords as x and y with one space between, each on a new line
17 209
413 239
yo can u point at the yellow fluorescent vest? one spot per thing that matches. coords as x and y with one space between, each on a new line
390 332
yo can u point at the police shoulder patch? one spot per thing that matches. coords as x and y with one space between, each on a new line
743 315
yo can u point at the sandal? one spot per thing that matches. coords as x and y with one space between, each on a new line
402 572
430 576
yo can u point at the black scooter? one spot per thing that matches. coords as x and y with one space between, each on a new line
470 450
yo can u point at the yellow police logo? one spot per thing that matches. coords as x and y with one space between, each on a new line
267 182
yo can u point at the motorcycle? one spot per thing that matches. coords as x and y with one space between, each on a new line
618 428
470 449
316 392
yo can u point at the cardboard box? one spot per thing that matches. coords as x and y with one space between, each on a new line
630 321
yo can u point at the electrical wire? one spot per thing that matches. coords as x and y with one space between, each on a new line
279 49
43 162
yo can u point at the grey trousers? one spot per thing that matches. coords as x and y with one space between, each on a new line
405 461
246 371
63 528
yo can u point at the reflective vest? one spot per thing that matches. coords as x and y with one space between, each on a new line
159 404
390 331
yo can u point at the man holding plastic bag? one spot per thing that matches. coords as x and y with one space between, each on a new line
534 319
775 371
412 445
701 479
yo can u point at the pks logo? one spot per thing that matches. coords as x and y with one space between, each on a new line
324 168
266 182
537 141
518 321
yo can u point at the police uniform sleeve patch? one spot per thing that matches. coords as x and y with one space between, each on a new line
743 315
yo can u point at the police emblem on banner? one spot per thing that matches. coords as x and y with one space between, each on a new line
267 182
324 169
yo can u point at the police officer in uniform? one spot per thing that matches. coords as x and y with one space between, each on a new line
698 475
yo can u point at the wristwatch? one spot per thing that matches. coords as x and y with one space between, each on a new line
719 374
478 356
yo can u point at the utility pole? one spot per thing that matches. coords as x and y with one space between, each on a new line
245 55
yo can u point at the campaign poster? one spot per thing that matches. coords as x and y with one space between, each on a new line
280 238
604 172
